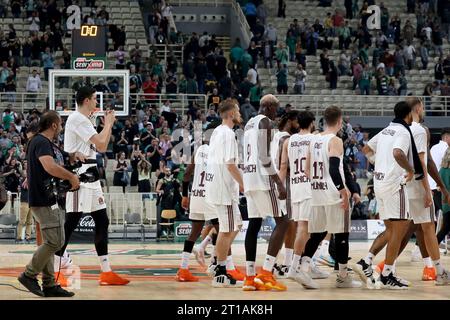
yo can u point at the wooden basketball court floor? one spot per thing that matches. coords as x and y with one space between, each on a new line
151 267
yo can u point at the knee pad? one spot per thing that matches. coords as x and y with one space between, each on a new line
100 218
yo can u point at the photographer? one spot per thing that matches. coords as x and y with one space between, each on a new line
44 162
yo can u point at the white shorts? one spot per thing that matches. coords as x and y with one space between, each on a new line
202 216
86 199
301 211
229 217
394 206
262 204
332 219
419 213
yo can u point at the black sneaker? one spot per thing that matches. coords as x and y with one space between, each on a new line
391 282
280 271
58 292
364 270
223 280
31 284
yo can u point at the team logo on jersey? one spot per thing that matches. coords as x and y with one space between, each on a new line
88 64
101 200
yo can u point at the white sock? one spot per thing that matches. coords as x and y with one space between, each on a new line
387 270
269 262
250 268
185 260
317 253
343 272
213 255
368 259
56 263
439 268
394 266
324 247
222 263
295 262
305 264
104 262
288 253
205 242
427 262
230 264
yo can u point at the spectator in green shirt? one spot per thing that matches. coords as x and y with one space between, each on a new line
256 92
444 172
282 75
291 41
236 52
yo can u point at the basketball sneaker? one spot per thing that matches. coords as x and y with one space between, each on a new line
112 279
266 277
304 278
184 275
61 279
199 256
211 271
363 270
442 279
224 280
251 285
280 271
326 260
292 273
317 273
236 274
66 261
391 282
429 274
347 282
415 254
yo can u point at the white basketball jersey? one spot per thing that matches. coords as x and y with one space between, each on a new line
254 176
198 202
221 188
388 175
415 188
323 190
298 149
276 149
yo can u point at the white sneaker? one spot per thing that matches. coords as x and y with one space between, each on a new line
305 280
442 279
291 274
199 256
66 261
347 282
225 281
211 271
415 255
317 273
280 271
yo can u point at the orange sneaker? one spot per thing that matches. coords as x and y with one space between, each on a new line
184 275
379 268
112 279
429 274
61 279
236 274
251 285
266 277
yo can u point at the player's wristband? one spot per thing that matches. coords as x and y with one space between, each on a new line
185 188
335 174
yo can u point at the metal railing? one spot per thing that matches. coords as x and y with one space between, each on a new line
163 51
131 208
363 105
214 3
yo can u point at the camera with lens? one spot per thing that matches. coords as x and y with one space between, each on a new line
56 189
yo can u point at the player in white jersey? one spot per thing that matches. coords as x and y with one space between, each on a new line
223 183
421 209
392 149
199 210
329 200
81 136
293 165
287 126
261 183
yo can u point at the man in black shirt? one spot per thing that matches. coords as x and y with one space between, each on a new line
44 162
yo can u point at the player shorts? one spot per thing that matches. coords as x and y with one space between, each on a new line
419 213
229 217
394 206
203 216
301 211
86 199
331 218
263 203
